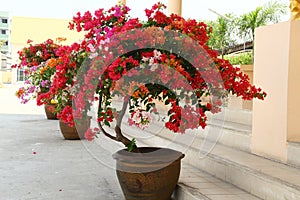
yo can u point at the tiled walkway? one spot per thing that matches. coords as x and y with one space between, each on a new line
201 185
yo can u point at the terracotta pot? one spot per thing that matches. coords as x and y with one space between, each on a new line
76 132
151 174
49 111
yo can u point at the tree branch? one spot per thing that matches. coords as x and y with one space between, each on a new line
119 136
101 127
122 112
118 131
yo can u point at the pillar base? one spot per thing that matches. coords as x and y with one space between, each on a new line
276 71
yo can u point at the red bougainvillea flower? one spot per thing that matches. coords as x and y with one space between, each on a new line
127 58
39 62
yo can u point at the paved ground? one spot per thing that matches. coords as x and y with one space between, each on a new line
36 163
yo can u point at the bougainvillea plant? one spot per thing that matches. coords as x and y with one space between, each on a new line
62 87
164 59
50 70
39 62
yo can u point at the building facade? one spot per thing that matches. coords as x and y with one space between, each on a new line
5 30
5 44
38 30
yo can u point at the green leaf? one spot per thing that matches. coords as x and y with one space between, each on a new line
148 107
132 145
106 123
146 101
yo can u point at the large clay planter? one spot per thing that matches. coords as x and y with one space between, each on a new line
151 174
76 132
49 108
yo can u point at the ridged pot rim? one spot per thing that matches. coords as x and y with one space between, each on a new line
148 155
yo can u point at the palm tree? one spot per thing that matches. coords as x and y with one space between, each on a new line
261 16
221 36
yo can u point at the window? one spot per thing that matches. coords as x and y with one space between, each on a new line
5 43
3 32
20 75
4 21
3 64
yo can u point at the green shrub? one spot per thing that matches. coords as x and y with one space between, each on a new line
240 59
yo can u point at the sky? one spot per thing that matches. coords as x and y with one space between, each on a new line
66 9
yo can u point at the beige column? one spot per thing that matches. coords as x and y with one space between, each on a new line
276 120
175 6
121 2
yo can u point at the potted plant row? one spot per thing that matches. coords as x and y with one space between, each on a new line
160 60
50 69
39 64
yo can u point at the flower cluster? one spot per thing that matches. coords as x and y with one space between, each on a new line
140 118
39 62
66 116
68 63
38 80
35 54
164 58
50 70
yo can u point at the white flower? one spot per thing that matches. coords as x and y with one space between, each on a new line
74 79
103 42
151 61
136 117
38 53
93 55
157 54
103 47
52 78
142 66
141 118
73 90
152 64
154 67
107 40
144 59
91 47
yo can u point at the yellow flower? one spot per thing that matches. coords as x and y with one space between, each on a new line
53 101
61 39
43 70
20 92
52 62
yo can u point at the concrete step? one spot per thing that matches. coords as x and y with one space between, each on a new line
222 150
256 175
195 184
239 116
224 128
264 178
234 126
231 127
293 154
232 134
